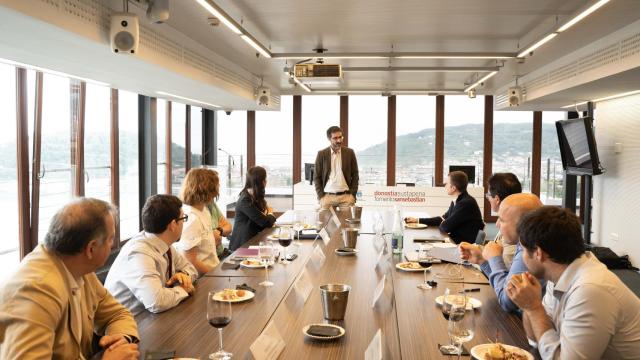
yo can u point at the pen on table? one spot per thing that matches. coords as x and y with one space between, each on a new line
472 290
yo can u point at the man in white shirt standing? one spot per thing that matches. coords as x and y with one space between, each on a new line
586 312
148 272
336 172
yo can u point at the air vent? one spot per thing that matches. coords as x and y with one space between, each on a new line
318 71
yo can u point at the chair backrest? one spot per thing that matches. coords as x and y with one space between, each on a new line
480 238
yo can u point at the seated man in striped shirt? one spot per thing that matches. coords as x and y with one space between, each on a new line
148 272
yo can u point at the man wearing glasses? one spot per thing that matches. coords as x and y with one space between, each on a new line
336 172
148 272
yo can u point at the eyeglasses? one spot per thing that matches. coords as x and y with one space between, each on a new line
183 218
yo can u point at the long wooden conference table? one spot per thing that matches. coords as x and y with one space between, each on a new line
411 323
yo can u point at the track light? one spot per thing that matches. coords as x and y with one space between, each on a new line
583 15
186 99
483 79
537 45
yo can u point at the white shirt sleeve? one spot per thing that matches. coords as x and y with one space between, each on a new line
588 321
146 284
182 264
192 233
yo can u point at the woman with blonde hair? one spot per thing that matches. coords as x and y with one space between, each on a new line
198 242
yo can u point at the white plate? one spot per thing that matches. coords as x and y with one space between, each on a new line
415 226
324 338
420 269
346 253
244 263
478 351
247 296
472 303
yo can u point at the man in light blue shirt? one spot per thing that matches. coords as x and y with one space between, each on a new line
490 259
586 312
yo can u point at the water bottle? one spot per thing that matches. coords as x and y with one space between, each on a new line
397 236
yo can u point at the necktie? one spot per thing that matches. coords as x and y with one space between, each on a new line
169 265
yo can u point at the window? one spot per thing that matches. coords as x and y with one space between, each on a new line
368 136
463 133
232 158
161 131
196 136
178 143
97 142
274 146
512 144
415 139
551 182
129 155
319 112
9 246
56 172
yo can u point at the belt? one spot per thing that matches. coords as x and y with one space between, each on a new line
337 193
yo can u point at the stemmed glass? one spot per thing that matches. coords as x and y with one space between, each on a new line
454 299
284 239
219 316
425 260
265 252
462 326
378 225
298 224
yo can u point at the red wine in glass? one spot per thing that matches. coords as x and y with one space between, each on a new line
219 322
284 242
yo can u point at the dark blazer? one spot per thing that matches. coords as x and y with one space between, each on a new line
323 169
462 221
249 221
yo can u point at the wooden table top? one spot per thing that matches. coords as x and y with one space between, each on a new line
411 323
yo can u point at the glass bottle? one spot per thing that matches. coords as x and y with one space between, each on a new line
397 236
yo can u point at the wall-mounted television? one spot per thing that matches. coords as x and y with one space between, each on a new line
578 147
309 170
470 170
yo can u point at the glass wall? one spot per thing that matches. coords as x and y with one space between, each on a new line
97 142
232 153
161 131
196 136
464 133
551 182
274 146
56 172
9 246
368 136
512 144
319 112
178 143
415 139
129 155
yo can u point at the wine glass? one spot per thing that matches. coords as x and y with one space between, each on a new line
219 316
265 252
462 326
298 224
378 226
284 239
453 299
424 259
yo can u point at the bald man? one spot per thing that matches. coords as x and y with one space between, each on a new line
490 257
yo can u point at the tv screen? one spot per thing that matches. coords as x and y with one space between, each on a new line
578 146
309 169
470 170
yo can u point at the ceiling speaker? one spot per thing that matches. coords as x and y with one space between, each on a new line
263 96
515 96
124 33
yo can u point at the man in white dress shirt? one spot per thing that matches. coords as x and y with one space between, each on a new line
586 312
336 172
148 272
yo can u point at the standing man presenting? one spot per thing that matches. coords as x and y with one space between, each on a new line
336 172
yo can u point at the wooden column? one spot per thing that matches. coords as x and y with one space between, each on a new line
439 161
391 140
251 139
167 149
297 138
187 139
115 159
536 153
344 118
78 92
22 162
487 160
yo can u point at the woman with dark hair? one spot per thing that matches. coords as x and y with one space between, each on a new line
252 212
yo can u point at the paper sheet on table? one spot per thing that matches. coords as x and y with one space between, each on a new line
268 345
